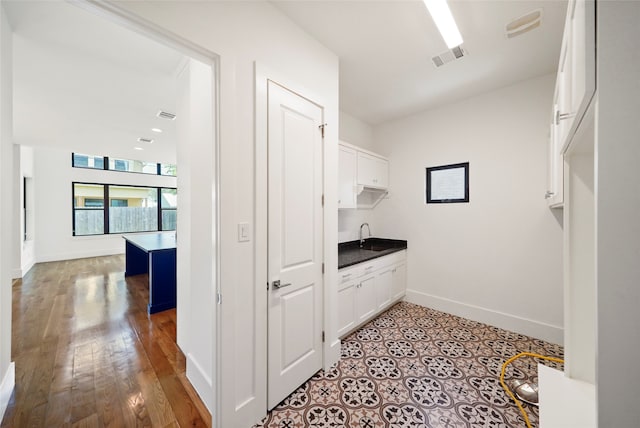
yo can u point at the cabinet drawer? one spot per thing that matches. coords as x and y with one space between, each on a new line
349 274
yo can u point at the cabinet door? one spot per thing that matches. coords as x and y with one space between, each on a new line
576 81
346 177
346 307
366 298
384 279
399 281
372 171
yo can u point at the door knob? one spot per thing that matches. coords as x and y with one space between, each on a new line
276 284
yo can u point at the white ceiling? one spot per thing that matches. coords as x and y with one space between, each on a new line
85 84
385 50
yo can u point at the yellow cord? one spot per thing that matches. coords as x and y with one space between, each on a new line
504 385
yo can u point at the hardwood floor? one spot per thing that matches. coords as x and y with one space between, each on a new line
88 355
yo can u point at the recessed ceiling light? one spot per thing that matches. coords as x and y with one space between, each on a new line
158 130
138 148
441 14
145 140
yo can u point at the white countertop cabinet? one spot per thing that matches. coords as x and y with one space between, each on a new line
369 288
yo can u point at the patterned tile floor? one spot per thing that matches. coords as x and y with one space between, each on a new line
416 367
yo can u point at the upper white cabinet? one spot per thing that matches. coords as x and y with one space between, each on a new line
347 164
575 87
373 171
363 177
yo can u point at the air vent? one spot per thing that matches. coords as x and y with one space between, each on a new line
523 24
166 115
450 55
145 140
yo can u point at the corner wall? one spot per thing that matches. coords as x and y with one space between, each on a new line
498 258
7 368
617 205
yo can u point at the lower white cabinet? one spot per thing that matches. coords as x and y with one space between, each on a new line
399 280
368 288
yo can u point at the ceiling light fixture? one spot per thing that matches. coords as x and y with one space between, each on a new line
138 148
441 14
158 130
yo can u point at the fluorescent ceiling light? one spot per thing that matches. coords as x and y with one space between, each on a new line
441 14
158 130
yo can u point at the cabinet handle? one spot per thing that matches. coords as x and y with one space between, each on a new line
563 116
346 275
368 268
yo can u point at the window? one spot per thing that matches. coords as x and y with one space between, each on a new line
140 213
168 208
129 209
168 169
79 160
87 161
88 209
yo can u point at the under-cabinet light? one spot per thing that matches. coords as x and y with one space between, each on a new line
441 14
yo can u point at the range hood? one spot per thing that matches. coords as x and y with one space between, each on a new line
369 197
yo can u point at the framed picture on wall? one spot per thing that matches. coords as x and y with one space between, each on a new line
447 184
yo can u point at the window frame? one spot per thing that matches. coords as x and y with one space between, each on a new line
107 205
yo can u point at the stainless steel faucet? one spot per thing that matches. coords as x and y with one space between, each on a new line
368 228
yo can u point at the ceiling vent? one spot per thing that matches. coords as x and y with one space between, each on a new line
166 115
145 140
523 24
448 56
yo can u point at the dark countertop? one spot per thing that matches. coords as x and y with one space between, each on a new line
350 253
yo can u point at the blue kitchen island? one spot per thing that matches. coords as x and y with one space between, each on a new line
155 254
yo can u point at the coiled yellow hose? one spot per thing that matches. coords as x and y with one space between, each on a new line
506 388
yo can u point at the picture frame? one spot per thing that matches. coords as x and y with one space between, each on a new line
447 184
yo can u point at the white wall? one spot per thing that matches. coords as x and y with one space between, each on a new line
497 259
7 371
243 33
355 131
196 225
53 175
617 205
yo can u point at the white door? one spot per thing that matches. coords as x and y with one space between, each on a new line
295 241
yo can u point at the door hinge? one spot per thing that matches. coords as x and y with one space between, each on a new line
322 129
323 200
219 296
323 337
323 268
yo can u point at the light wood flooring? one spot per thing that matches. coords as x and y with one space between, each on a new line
88 355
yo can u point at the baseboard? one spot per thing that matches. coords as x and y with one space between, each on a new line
539 330
78 255
6 388
201 382
22 271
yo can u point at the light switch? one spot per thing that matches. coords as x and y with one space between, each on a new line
244 232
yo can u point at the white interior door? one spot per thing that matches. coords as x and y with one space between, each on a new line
295 241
